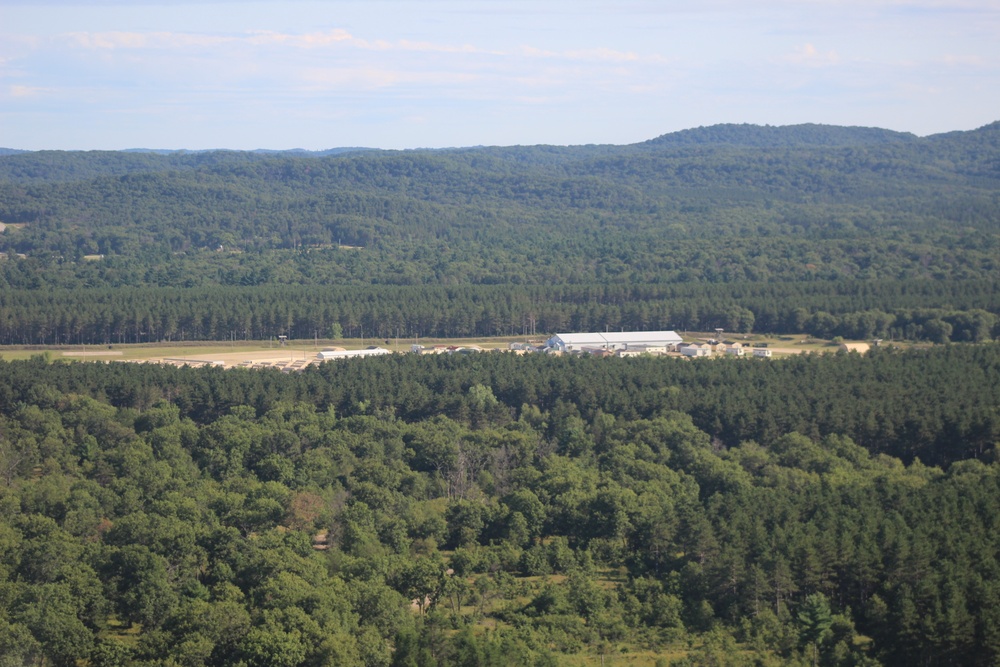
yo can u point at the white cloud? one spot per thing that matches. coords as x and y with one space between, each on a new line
430 47
337 60
105 41
964 60
603 54
307 40
597 54
321 79
808 54
25 91
263 38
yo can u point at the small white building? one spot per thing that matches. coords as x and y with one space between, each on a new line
762 352
638 350
735 350
434 349
696 350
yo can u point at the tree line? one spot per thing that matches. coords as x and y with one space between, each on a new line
937 311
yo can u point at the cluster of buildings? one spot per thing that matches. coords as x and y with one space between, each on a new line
606 344
445 349
635 343
728 349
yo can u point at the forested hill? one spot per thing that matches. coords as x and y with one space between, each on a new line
792 136
726 204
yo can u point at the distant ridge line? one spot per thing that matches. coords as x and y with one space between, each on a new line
804 135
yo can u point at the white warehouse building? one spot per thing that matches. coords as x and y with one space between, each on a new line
612 340
326 355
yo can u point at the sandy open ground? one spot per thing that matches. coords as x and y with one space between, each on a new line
281 358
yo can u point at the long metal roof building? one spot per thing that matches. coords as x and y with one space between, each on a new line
611 340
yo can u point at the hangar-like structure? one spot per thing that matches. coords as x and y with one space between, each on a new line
612 340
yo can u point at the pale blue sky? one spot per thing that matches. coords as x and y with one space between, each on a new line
409 73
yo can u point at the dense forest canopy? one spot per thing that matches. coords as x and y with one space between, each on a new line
503 510
733 205
938 311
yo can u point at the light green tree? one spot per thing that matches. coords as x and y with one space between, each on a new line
814 618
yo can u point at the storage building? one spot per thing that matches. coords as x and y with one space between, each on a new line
611 340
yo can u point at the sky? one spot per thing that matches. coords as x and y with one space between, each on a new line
399 74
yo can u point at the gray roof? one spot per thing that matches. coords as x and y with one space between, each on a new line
616 338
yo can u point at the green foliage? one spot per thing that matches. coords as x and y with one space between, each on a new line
797 512
938 310
854 232
18 646
815 619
